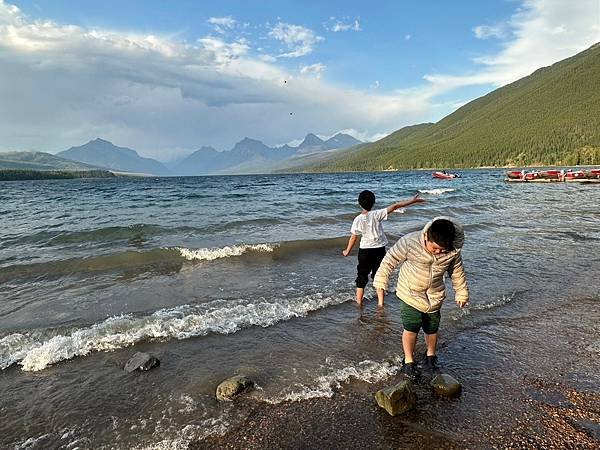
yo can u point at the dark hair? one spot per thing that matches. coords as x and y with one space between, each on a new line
441 232
366 199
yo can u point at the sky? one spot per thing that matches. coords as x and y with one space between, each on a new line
166 78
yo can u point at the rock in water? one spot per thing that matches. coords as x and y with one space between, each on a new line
232 387
398 398
444 384
142 361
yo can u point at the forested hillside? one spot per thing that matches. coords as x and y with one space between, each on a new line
551 117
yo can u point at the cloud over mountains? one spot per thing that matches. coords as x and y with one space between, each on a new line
62 84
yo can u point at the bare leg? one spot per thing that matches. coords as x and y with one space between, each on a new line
380 297
360 293
431 341
409 340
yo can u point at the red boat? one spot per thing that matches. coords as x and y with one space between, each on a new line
514 174
577 175
444 175
593 173
554 175
549 174
529 176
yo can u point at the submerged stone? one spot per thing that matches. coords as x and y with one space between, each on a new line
398 398
446 385
142 361
232 387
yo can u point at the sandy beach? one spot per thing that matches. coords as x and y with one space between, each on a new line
546 397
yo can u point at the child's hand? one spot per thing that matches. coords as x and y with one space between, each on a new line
417 198
345 252
462 303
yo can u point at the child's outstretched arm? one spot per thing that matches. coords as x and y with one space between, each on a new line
416 199
456 271
351 242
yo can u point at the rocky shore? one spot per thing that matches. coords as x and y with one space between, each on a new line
544 395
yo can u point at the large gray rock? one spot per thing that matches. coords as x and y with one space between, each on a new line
142 361
232 387
446 385
398 398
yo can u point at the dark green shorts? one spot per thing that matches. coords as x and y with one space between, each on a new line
413 319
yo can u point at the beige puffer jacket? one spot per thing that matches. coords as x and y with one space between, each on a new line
421 278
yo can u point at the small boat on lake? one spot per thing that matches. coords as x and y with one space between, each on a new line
442 174
554 175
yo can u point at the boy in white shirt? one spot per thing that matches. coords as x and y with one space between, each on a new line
373 240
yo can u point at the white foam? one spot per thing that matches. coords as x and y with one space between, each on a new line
461 313
31 442
438 191
324 386
504 300
182 322
14 348
210 254
188 434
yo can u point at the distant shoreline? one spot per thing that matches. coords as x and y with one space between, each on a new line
24 174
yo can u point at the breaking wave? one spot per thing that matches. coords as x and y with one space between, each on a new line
35 353
210 254
161 257
438 191
325 385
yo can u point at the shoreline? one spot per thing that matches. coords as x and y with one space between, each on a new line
544 399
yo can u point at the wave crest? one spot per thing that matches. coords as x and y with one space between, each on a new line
324 385
210 254
438 191
182 322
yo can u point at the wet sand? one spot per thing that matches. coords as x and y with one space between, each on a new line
544 394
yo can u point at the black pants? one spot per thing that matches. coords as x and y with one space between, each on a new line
368 262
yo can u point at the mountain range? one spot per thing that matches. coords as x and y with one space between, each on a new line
247 156
40 161
252 156
551 117
104 154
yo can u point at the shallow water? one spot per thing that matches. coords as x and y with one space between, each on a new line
243 274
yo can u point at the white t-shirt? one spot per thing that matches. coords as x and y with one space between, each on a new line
369 227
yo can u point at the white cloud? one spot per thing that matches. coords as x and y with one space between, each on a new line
222 52
267 58
488 31
62 85
316 69
221 24
407 37
299 40
345 24
539 34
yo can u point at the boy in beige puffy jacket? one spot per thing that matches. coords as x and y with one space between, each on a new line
424 257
